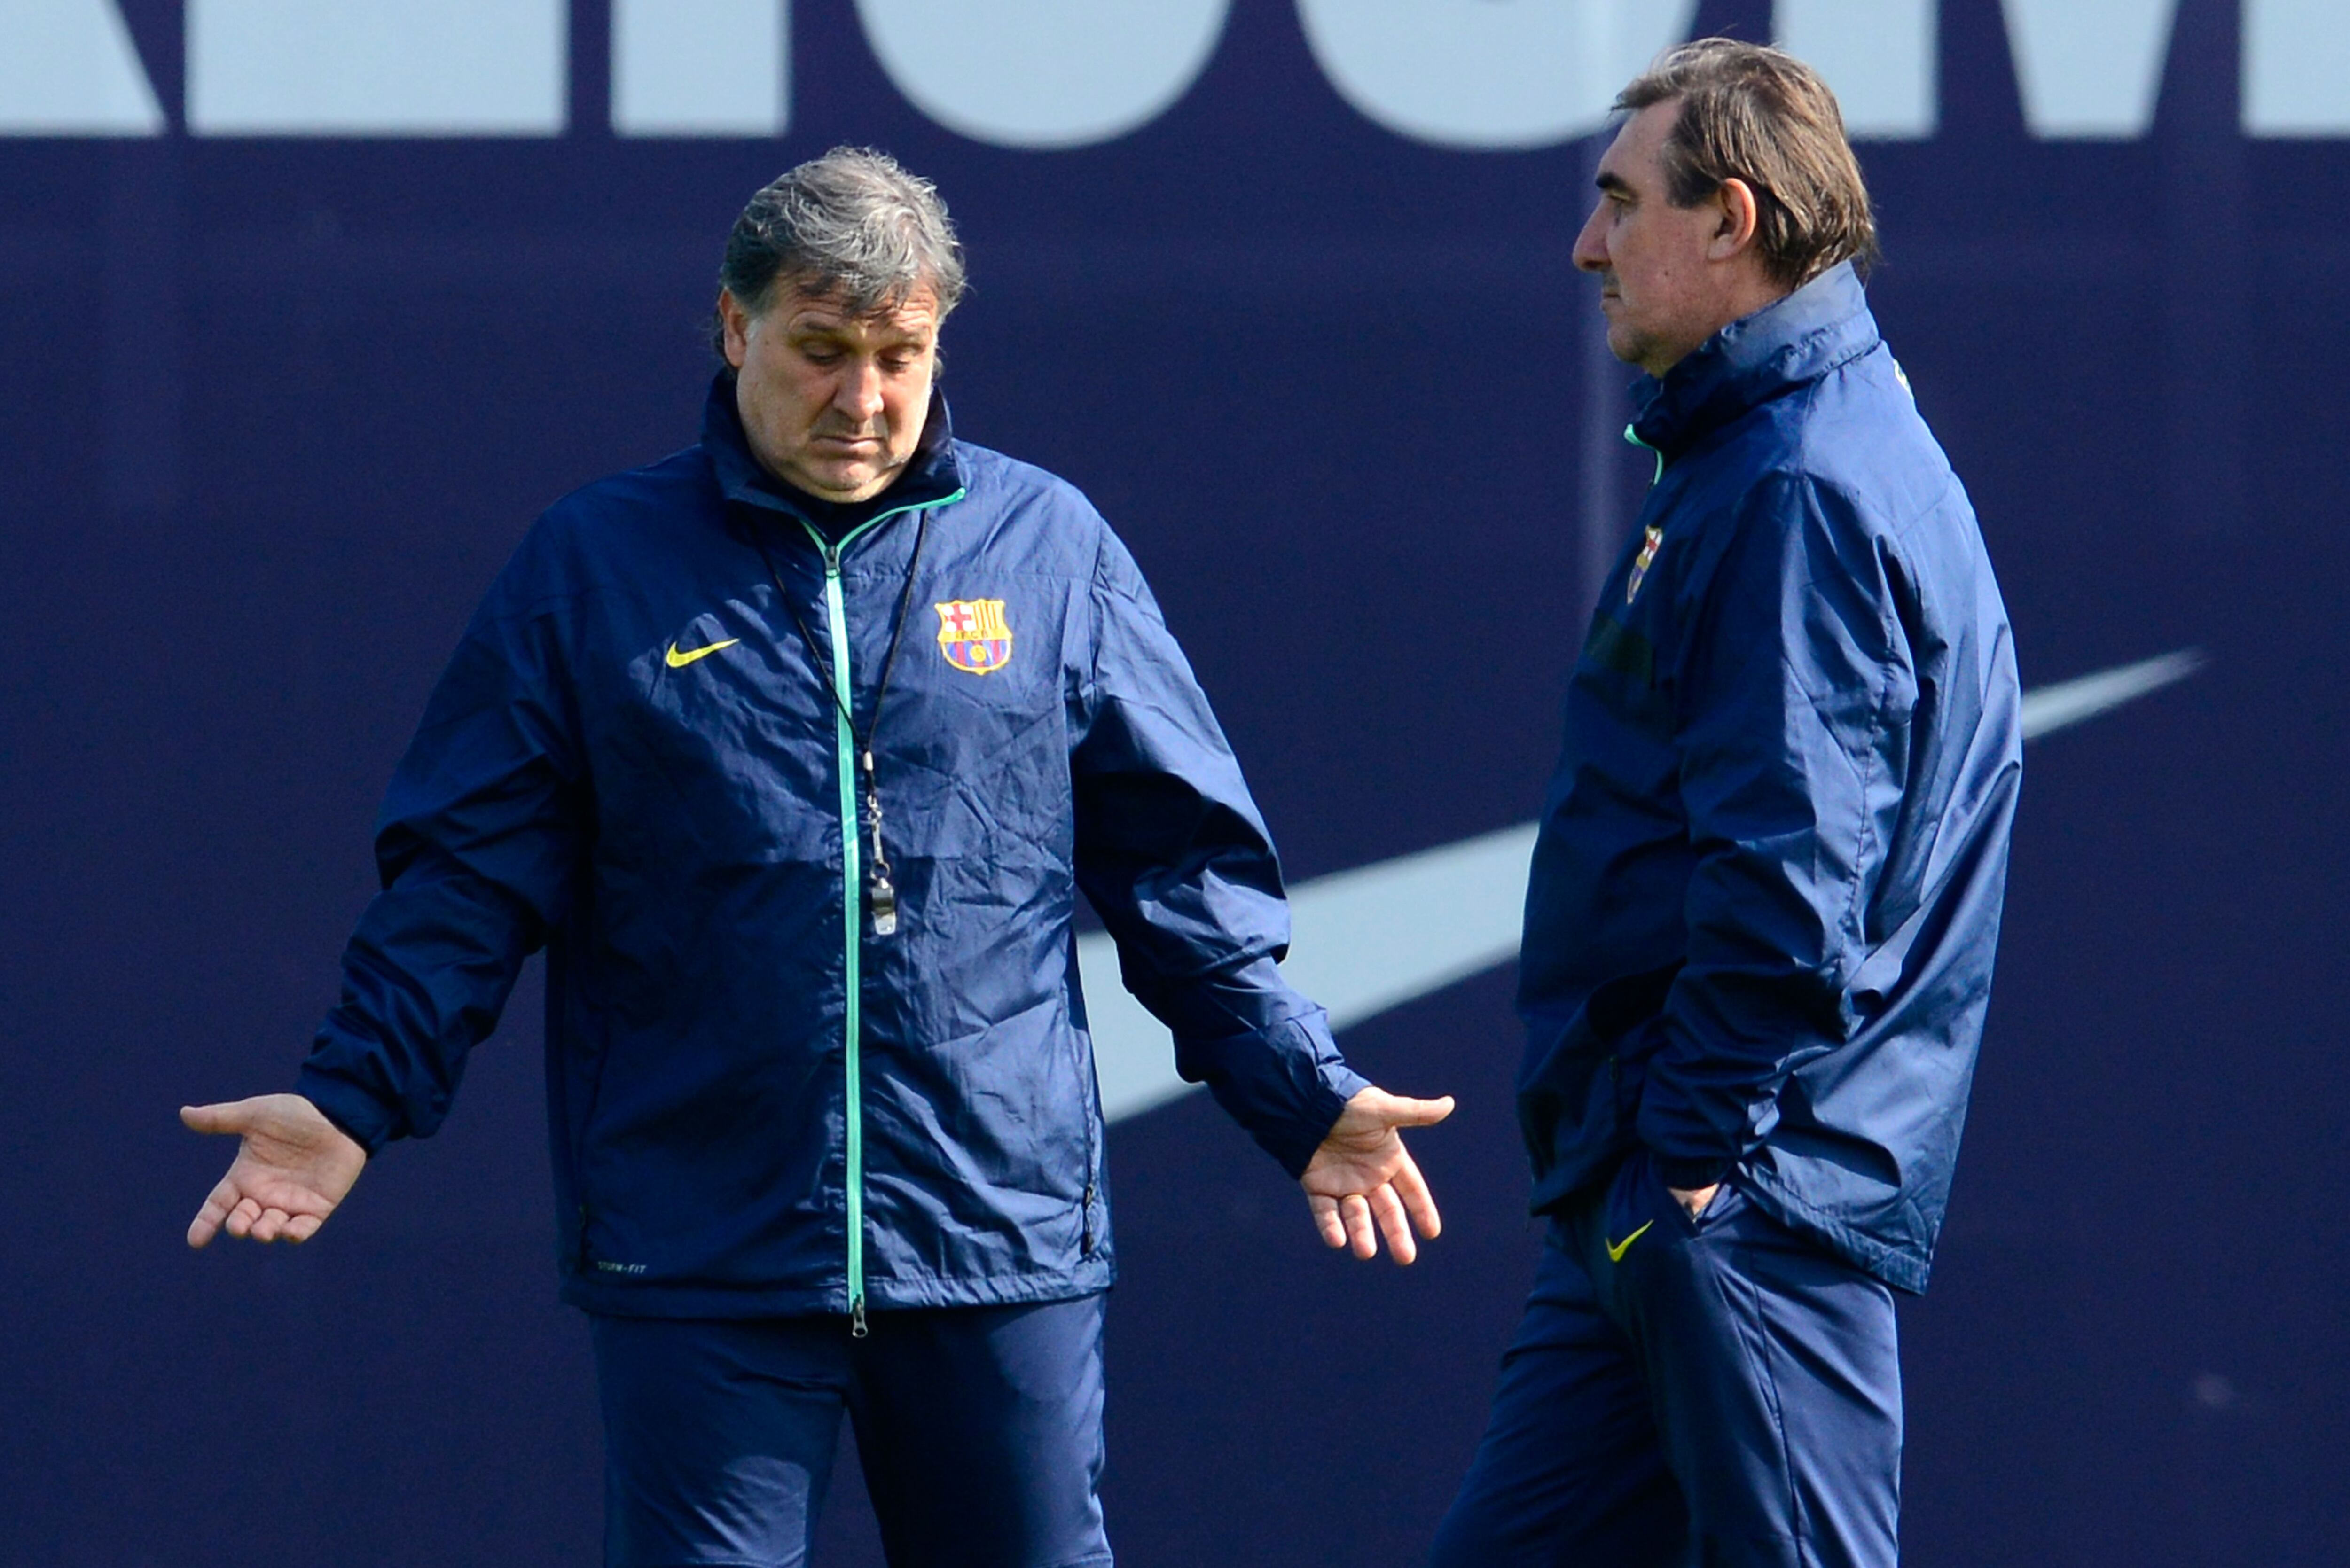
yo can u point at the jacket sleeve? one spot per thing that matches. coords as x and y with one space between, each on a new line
1792 693
479 834
1174 858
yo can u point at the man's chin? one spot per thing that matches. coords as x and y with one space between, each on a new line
845 484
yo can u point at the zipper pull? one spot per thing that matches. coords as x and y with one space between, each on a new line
857 1329
885 905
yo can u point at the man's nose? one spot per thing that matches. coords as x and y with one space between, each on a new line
1591 245
858 393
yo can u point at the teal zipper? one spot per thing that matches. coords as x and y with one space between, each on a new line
852 885
1633 435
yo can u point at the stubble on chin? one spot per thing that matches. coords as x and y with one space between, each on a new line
1626 343
849 483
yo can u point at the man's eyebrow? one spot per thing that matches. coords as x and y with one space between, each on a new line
1612 183
880 338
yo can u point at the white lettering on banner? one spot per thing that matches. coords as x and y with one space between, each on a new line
1043 73
1489 73
2297 68
1878 56
1471 74
2090 69
700 68
371 67
67 67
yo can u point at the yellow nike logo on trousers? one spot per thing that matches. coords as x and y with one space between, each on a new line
1615 1250
679 660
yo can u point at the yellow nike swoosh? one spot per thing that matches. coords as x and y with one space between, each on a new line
1615 1250
679 660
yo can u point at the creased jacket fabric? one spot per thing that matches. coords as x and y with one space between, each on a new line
635 760
1766 892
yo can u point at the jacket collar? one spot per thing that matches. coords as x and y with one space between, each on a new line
1821 326
931 476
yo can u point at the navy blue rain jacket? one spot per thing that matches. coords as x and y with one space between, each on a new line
1766 893
635 759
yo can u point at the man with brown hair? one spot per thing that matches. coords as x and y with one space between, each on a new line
1766 893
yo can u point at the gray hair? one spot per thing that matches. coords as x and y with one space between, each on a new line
852 223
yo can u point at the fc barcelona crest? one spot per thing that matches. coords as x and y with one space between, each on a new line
1648 555
974 636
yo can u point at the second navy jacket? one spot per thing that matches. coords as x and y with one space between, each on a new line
1766 896
760 1103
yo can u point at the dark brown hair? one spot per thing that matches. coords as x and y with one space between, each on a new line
1761 115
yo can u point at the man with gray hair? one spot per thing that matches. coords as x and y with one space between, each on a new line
795 751
1766 890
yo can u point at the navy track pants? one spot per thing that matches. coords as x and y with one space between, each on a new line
980 1429
1716 1393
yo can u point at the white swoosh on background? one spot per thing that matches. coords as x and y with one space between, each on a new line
1380 936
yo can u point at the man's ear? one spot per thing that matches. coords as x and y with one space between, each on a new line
736 323
1741 215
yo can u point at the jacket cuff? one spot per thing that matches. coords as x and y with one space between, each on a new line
362 1118
1286 1085
1690 1174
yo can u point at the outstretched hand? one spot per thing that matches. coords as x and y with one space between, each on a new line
291 1170
1362 1184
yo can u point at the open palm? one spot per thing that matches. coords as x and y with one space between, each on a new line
290 1171
1363 1184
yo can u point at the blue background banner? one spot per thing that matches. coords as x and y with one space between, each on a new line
301 328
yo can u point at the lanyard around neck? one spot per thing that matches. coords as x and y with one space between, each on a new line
889 660
884 896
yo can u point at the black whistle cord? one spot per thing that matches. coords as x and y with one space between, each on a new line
897 632
884 897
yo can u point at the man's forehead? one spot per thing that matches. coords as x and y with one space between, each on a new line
831 310
1633 155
